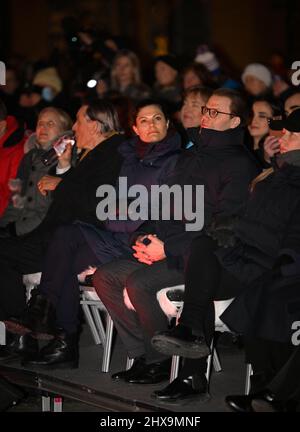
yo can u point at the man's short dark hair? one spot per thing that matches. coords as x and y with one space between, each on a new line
238 106
3 111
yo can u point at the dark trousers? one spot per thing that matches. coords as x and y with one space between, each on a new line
18 256
205 281
142 282
286 383
267 358
68 254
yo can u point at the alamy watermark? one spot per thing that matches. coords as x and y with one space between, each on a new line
179 203
295 78
2 73
296 334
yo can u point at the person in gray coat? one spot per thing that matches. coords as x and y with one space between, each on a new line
28 206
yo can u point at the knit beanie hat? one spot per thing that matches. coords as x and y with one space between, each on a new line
208 58
48 78
170 60
259 71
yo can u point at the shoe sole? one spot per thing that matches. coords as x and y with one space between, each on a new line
171 347
203 397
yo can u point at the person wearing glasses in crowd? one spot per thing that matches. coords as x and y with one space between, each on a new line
218 161
256 260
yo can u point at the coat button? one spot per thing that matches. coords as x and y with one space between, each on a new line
29 199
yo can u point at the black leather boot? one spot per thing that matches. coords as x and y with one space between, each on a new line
61 353
39 318
18 345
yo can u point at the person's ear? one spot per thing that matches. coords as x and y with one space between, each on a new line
235 122
135 130
168 122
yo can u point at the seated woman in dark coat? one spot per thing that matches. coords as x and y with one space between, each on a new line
263 249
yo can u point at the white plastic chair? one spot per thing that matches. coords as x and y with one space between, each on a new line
173 309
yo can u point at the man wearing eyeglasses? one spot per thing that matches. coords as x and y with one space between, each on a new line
221 162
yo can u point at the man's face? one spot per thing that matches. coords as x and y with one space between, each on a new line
289 141
48 128
82 128
292 103
222 121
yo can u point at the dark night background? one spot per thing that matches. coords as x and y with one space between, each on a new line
239 31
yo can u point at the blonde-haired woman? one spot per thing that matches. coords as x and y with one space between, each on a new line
126 76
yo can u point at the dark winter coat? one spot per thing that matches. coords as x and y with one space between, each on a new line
75 196
270 253
154 168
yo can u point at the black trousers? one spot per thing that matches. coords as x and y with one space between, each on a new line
205 281
267 359
68 254
142 281
18 256
286 383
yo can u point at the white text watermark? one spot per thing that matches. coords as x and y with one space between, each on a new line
179 203
2 73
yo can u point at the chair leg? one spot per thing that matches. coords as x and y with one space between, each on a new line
98 323
129 363
174 367
91 323
216 361
209 360
108 343
249 372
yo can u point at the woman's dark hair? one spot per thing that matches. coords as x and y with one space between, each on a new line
201 71
146 102
103 112
276 111
204 92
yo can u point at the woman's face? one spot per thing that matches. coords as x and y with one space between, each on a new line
261 112
124 71
190 113
190 79
165 74
254 86
151 124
